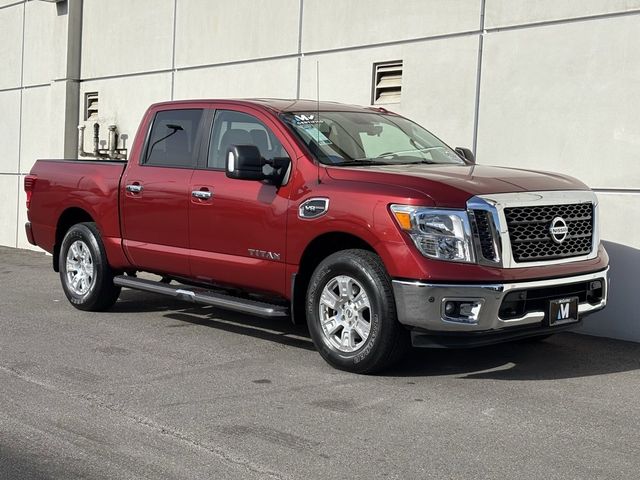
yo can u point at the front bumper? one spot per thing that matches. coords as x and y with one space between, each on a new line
421 305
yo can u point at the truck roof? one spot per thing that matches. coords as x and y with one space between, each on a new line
281 104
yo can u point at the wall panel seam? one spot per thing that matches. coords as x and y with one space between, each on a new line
476 112
15 4
299 67
173 48
562 21
360 47
24 17
37 85
392 43
125 75
240 62
302 53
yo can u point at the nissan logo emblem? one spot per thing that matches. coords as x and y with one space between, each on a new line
558 230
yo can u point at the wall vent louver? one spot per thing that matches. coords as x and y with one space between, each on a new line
91 106
387 82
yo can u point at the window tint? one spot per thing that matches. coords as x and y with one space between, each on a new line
236 128
173 138
390 138
349 137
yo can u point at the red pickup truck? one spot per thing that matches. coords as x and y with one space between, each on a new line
354 218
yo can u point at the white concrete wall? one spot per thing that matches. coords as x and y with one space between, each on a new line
550 84
124 37
235 31
439 81
33 101
568 109
560 96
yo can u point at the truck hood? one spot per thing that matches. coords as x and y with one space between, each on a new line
452 185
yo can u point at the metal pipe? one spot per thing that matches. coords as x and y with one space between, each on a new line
81 152
112 142
96 140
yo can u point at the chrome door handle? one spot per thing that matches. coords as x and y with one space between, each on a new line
201 194
133 188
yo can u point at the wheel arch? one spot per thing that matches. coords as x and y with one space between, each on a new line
69 217
317 250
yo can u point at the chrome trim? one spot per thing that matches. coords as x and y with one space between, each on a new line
201 194
496 204
79 269
303 208
133 188
531 317
287 174
447 318
559 231
346 316
202 296
475 204
419 304
185 293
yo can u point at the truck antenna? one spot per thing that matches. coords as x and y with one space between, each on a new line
318 116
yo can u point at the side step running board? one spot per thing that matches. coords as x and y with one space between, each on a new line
206 297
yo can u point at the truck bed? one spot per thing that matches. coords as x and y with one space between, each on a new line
61 185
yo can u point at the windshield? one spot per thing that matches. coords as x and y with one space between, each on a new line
363 138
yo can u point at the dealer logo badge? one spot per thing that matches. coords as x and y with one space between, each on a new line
558 230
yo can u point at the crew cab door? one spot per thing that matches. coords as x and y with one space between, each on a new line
155 193
238 227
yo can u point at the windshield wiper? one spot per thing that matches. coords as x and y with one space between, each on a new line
365 162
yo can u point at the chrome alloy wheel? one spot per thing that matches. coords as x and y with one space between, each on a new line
345 314
79 268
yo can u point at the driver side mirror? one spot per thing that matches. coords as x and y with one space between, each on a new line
466 154
244 162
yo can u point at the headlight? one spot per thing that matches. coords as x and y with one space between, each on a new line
438 233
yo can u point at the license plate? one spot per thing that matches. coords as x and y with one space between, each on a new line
563 310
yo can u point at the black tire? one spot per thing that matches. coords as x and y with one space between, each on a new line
387 340
101 293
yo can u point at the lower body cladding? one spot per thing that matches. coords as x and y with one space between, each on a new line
468 315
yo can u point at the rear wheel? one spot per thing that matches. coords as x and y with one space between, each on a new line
351 313
87 279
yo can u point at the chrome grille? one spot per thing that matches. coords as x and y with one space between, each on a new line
484 233
530 235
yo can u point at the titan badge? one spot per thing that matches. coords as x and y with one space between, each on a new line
263 254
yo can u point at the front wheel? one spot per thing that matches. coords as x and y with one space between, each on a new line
351 313
87 279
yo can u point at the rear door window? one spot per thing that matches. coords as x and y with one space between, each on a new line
174 138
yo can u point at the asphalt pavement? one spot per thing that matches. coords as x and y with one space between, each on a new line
160 389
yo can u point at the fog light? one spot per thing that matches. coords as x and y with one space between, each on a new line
449 308
462 311
595 292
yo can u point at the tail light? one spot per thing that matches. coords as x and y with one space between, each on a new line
29 185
